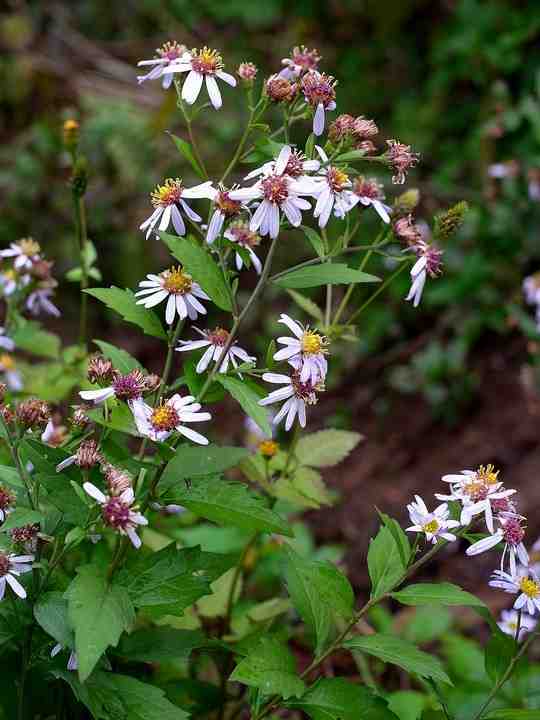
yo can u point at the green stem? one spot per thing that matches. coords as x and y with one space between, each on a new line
14 451
324 258
377 292
240 147
82 239
189 126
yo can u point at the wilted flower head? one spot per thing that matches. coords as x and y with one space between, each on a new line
32 413
400 158
239 232
100 369
364 128
118 512
25 536
448 222
7 502
118 480
80 417
280 89
301 60
296 394
319 92
407 231
128 387
87 456
152 383
247 72
429 263
341 128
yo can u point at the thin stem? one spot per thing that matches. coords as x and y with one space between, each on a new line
377 292
189 126
14 451
322 259
82 239
236 326
506 675
240 147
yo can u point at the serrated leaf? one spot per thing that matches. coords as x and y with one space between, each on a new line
310 484
99 613
51 613
170 580
199 263
185 149
392 649
189 462
441 593
317 590
326 447
124 303
248 401
324 274
307 305
21 516
402 541
160 644
122 360
271 667
229 503
338 699
384 562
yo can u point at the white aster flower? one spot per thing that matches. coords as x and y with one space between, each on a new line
297 166
522 583
224 209
296 394
202 65
118 513
168 201
39 301
11 566
434 524
367 191
159 422
428 263
510 622
128 387
239 233
306 351
214 341
6 343
332 191
511 533
178 288
276 192
168 53
25 251
11 375
72 663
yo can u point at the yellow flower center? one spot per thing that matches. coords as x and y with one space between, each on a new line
475 490
206 61
29 246
487 475
268 448
313 343
168 193
337 179
529 587
164 417
176 281
7 362
431 527
71 126
218 336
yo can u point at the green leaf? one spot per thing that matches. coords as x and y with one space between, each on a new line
310 484
400 537
120 418
324 274
169 581
99 612
29 336
21 516
271 667
10 476
317 590
160 644
384 562
326 447
314 238
229 503
498 654
512 714
338 699
122 360
248 401
124 303
61 494
185 149
307 305
51 613
392 649
351 155
198 263
441 593
407 704
190 462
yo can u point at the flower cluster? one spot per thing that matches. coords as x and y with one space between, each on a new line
480 493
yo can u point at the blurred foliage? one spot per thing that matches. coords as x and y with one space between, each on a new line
459 81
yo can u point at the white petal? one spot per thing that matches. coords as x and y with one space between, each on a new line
318 120
94 492
192 87
282 159
15 585
229 79
213 92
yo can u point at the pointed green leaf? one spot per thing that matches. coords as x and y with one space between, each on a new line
189 462
186 150
271 667
51 613
385 564
124 303
338 699
248 400
122 360
324 274
326 447
307 305
160 644
442 593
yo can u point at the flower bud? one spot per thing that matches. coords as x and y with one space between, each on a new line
247 72
70 131
7 413
79 418
88 455
400 158
405 203
341 128
7 501
268 448
363 129
25 536
447 223
79 179
100 369
32 413
280 90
